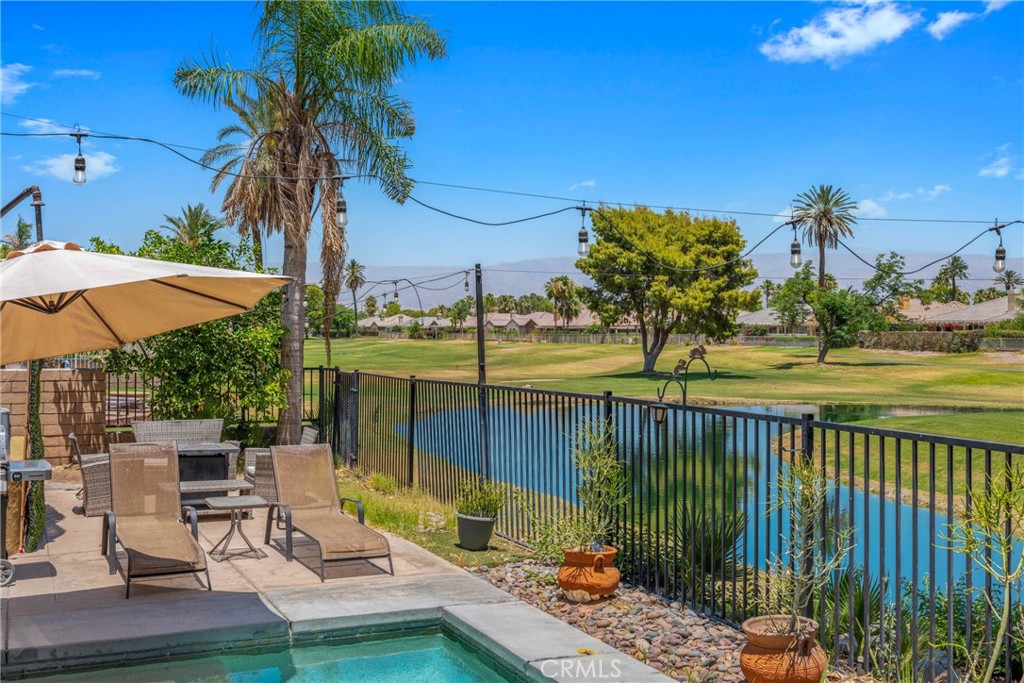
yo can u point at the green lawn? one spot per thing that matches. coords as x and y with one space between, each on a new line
745 374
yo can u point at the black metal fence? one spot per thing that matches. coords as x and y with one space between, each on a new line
701 523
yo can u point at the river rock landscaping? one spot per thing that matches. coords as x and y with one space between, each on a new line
668 636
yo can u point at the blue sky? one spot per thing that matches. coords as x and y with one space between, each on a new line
916 109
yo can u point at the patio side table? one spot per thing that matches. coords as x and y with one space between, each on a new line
236 505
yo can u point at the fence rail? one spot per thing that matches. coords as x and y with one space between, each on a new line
701 523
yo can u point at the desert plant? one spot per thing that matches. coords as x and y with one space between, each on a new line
988 531
383 483
481 498
600 492
805 565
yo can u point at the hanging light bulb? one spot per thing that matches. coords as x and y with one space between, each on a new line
465 285
395 297
1000 263
79 177
584 237
794 251
341 209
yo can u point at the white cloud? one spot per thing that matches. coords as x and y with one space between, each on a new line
38 27
1001 165
61 166
869 208
949 22
784 215
12 82
995 5
841 32
934 192
15 157
76 73
583 184
45 126
892 196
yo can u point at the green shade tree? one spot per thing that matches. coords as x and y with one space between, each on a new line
315 311
327 71
22 238
459 312
392 308
355 278
791 301
217 368
506 303
663 299
986 294
885 287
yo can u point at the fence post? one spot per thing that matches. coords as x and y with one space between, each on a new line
336 418
321 397
412 427
353 417
806 454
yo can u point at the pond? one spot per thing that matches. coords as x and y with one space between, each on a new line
893 538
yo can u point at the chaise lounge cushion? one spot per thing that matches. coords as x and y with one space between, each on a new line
340 537
157 546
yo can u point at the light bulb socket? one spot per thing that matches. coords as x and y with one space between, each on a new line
79 178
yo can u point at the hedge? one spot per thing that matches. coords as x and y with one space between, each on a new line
944 342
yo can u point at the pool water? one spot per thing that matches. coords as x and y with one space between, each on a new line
431 658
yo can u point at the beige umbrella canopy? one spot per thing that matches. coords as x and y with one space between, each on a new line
57 299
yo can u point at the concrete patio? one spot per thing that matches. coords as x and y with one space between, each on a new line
66 610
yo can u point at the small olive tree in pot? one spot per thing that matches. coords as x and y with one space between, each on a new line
477 509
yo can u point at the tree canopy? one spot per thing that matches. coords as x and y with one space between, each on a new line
662 296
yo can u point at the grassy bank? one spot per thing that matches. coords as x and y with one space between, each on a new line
416 516
745 375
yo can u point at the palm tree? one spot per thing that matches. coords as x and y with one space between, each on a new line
194 222
326 71
354 280
826 215
506 303
255 119
768 288
1009 280
370 305
564 295
955 268
22 238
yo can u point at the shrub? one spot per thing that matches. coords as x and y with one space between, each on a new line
1008 328
481 498
943 342
383 483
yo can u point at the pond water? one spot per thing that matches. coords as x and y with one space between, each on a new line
538 457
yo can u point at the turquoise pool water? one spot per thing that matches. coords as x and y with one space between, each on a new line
425 659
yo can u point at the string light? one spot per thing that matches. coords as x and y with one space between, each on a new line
79 177
1000 263
341 208
584 237
794 251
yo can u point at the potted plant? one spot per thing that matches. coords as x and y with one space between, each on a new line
587 570
477 509
782 646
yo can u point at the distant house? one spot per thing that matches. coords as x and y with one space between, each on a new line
766 321
978 316
914 310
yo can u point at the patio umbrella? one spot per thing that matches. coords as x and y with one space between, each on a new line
57 299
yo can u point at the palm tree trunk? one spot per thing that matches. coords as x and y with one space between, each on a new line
355 315
289 420
952 281
822 348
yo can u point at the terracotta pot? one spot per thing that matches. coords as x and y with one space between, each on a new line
773 656
586 576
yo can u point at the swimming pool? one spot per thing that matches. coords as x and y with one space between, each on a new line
431 657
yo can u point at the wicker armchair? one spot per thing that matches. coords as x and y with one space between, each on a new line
182 431
309 436
95 483
259 471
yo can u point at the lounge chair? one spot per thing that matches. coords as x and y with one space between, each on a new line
307 499
146 515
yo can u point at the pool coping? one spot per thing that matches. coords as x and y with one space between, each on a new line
526 640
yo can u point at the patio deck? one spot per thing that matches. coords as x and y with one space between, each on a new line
65 609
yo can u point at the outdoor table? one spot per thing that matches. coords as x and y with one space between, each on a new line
236 505
195 493
200 461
